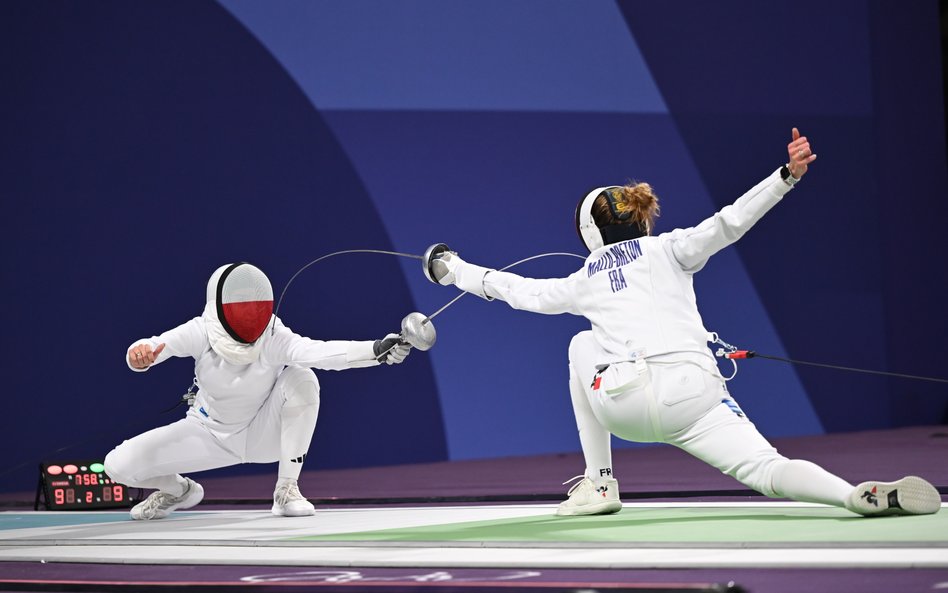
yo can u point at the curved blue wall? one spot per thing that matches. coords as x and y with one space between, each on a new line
145 144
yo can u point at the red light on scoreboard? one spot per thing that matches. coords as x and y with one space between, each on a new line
81 485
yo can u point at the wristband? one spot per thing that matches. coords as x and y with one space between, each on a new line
788 177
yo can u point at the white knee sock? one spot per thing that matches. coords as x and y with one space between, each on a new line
595 440
298 418
174 484
807 482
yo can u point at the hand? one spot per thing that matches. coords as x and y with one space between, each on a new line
801 155
444 267
391 349
142 356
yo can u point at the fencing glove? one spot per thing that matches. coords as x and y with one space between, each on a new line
391 349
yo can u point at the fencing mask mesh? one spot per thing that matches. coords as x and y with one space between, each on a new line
244 300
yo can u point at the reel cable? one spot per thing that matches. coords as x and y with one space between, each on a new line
733 354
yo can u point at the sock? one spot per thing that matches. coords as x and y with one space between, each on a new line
807 482
594 439
174 485
298 422
600 475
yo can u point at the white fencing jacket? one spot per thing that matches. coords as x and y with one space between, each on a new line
230 395
637 294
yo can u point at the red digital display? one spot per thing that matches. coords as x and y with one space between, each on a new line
81 485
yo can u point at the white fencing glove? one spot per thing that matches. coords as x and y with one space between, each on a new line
391 349
449 268
444 266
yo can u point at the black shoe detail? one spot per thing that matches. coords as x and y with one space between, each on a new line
894 500
870 498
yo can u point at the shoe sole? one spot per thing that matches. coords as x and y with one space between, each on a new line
912 496
602 508
281 513
917 497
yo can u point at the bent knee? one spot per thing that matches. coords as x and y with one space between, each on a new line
118 466
580 344
300 385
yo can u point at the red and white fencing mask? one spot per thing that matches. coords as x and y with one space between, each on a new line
244 300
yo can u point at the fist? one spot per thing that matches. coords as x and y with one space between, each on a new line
391 349
444 268
142 356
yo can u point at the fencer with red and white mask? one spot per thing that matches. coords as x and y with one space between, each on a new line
257 397
644 372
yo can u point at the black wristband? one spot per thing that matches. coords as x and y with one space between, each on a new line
787 176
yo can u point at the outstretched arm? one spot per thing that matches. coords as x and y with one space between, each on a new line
289 348
693 247
550 295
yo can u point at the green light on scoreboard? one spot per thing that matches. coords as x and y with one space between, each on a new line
97 467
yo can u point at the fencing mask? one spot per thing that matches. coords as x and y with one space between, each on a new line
593 236
244 300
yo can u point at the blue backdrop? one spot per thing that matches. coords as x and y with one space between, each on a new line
146 143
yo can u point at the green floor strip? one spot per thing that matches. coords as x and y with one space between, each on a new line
30 520
680 525
12 520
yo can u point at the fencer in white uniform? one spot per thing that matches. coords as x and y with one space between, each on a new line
257 398
644 371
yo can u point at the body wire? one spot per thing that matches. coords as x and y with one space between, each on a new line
732 353
853 369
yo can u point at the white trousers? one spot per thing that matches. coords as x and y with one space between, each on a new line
684 403
155 458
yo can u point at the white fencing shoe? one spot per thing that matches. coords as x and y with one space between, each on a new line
159 504
909 496
288 502
585 498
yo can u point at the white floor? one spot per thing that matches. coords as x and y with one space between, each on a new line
256 537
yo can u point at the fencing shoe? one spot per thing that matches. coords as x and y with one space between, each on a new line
159 504
585 498
288 502
909 496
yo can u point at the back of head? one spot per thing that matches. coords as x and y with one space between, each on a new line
633 204
612 214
